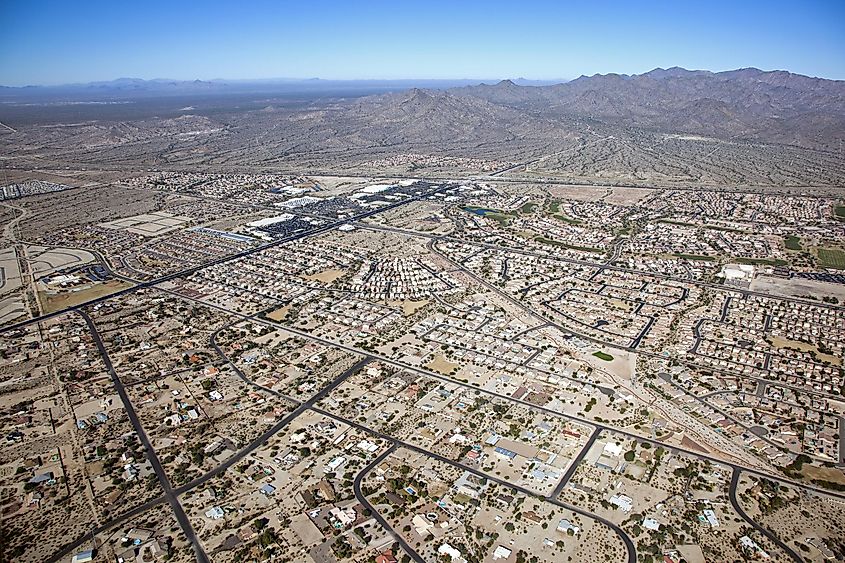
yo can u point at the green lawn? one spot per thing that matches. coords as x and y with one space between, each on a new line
566 219
497 215
839 211
528 208
792 243
554 211
832 258
697 257
673 222
603 356
553 242
760 261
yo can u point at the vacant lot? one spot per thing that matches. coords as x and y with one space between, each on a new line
51 213
326 276
797 287
442 365
57 301
279 314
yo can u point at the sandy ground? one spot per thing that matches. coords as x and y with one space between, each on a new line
409 307
441 365
781 342
326 276
627 196
797 287
54 302
581 193
148 224
825 473
45 260
279 314
10 274
11 308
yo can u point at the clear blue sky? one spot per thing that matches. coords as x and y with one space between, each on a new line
53 42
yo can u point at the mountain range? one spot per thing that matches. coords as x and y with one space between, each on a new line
668 125
747 104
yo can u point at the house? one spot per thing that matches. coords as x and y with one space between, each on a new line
344 516
612 449
651 524
450 552
421 524
565 525
267 489
83 556
326 490
709 516
622 502
386 557
501 552
531 516
334 464
43 478
215 513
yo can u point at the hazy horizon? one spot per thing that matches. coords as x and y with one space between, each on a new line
55 43
477 80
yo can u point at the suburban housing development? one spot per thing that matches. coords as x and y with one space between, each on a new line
225 367
588 319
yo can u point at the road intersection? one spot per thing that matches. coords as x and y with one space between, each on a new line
171 494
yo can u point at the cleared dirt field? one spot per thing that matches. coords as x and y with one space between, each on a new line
627 196
797 287
441 365
11 308
54 302
780 342
279 314
409 307
326 276
579 193
50 213
45 260
10 274
148 224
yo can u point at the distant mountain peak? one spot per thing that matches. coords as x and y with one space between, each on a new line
674 72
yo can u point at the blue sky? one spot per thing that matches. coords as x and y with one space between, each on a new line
54 42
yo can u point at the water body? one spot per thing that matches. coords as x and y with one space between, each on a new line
480 210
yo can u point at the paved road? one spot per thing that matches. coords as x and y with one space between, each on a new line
735 503
841 431
598 265
310 405
81 541
626 540
193 269
334 174
252 446
356 487
573 466
178 511
258 442
239 373
433 375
